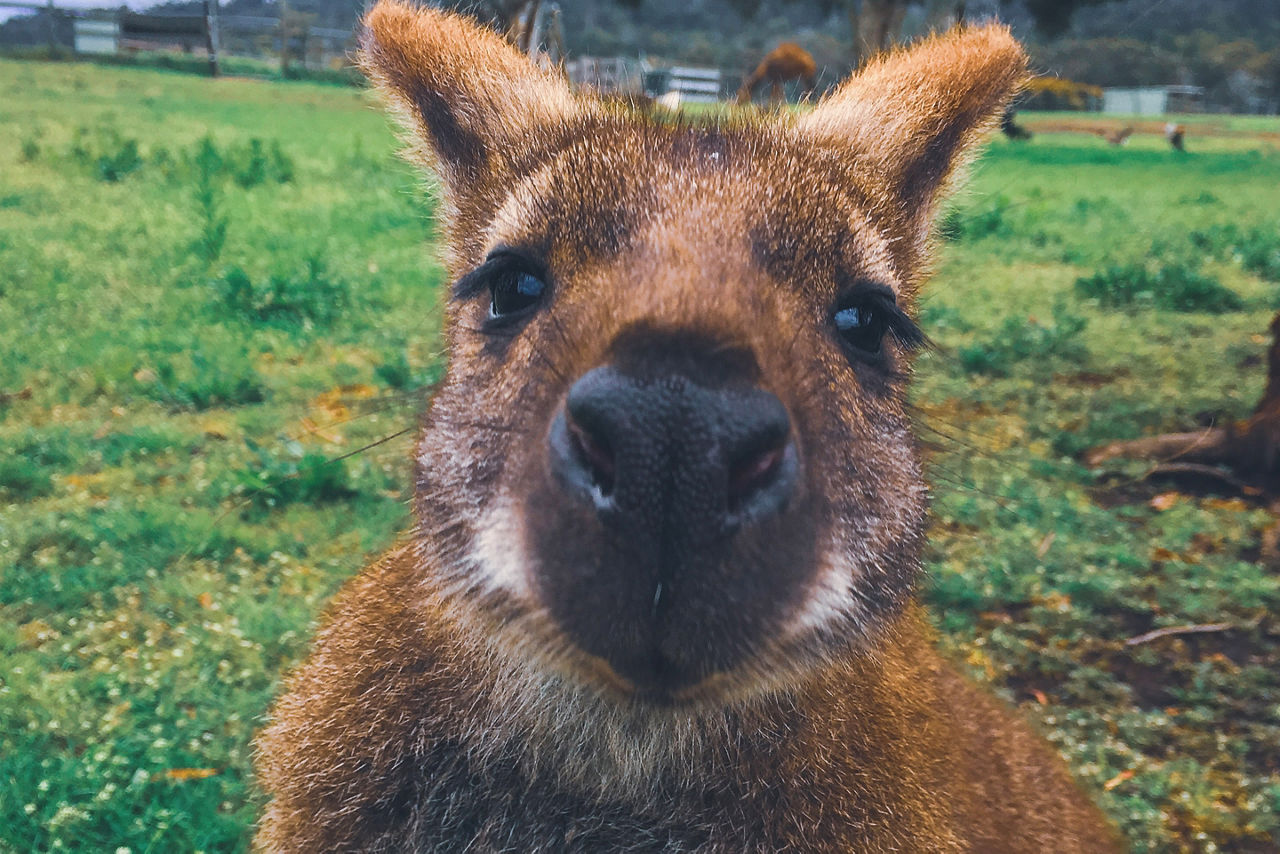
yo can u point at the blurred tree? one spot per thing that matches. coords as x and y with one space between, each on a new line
1053 17
1109 62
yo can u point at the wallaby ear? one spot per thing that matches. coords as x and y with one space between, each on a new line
909 118
470 96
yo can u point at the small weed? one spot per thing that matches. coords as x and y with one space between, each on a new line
1018 341
936 316
27 466
207 163
30 149
123 159
311 298
253 164
399 374
1099 207
110 156
1215 240
197 381
395 371
975 225
281 164
1258 251
1204 197
1176 286
297 477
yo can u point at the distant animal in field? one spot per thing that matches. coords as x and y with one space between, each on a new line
1115 137
1175 134
786 62
1010 127
670 509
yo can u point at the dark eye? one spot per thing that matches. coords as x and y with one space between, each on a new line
868 312
862 326
514 291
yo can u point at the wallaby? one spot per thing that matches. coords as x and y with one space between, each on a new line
669 506
787 61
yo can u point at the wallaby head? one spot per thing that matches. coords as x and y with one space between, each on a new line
671 459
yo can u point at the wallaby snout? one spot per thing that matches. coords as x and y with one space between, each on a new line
673 455
677 451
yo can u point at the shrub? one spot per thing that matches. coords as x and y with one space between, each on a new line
1120 284
253 164
121 160
1055 93
395 371
1256 250
297 477
207 163
197 381
1215 240
957 224
1018 340
26 467
1259 252
308 298
1181 287
110 156
1176 286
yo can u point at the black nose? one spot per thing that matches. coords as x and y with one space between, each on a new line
671 458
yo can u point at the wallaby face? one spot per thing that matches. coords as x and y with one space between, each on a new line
669 506
670 457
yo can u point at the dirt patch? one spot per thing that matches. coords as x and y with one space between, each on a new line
1101 125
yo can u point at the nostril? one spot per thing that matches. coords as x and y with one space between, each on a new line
594 453
754 471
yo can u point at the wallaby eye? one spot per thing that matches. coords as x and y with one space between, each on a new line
862 328
865 314
514 291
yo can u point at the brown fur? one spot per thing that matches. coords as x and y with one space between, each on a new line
455 701
787 61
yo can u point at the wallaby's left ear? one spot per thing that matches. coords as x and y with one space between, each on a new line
909 118
472 99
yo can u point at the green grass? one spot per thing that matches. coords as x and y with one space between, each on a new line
213 288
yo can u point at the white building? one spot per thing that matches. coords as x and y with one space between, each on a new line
96 36
1153 100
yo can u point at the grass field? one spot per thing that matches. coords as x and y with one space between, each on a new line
212 291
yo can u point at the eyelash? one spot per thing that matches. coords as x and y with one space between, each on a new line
875 304
502 264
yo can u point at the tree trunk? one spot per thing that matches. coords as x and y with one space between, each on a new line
854 11
284 36
1251 447
880 25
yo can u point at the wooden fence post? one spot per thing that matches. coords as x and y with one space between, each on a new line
211 34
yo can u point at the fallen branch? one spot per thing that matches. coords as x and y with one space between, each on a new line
1204 445
1201 470
1250 447
1168 631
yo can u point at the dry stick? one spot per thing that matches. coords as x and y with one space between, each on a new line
1209 443
1199 469
1202 628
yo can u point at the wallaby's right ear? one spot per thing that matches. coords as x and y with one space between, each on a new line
469 95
